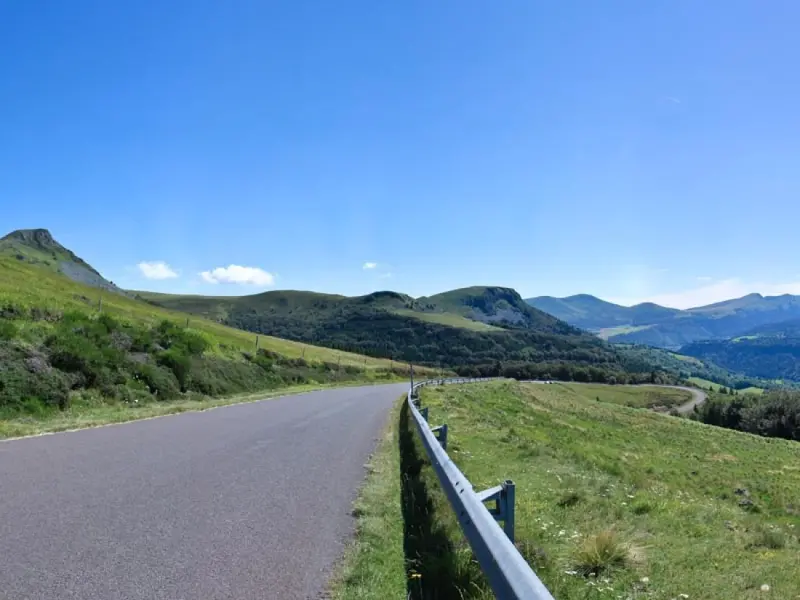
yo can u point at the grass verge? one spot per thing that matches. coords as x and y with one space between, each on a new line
80 416
615 502
402 547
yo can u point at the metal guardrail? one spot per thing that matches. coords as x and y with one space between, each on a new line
509 575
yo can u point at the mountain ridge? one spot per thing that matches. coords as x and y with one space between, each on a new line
665 327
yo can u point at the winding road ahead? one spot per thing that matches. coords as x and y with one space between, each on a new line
243 502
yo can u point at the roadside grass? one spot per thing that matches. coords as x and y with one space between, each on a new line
403 547
618 502
372 567
88 412
625 395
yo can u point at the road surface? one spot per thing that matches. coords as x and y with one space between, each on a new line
245 502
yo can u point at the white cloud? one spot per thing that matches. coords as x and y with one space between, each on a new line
156 270
703 278
713 292
385 275
238 275
369 265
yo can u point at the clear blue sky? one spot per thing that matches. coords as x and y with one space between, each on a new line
633 150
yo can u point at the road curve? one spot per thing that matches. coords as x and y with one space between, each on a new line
243 502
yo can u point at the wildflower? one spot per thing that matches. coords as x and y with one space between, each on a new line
645 580
570 572
765 588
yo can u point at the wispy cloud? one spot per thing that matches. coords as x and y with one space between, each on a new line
672 99
156 270
704 278
369 266
713 292
385 276
237 274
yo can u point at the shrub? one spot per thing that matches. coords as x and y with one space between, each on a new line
159 381
177 361
603 552
19 386
8 331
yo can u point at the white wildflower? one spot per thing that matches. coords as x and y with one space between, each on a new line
645 580
765 588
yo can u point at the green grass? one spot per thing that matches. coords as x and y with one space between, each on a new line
31 286
688 359
612 501
372 568
634 396
449 319
607 332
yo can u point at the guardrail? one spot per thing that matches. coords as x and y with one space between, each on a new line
509 575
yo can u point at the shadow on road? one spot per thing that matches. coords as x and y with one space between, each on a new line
434 570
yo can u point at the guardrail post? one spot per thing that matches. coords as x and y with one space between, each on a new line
442 437
424 413
506 506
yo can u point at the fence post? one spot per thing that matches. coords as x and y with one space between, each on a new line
256 343
424 413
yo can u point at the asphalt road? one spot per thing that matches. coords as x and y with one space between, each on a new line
245 502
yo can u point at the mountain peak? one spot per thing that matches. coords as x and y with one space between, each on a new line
38 238
39 247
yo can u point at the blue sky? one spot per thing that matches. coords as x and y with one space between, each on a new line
633 150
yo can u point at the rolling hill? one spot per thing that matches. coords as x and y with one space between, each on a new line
469 326
658 326
770 351
67 347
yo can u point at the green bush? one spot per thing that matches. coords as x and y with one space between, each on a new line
8 331
23 384
159 381
177 361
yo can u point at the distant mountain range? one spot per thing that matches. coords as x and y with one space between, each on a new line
671 328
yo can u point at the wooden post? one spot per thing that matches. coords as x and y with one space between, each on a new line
187 322
256 343
339 364
100 303
303 355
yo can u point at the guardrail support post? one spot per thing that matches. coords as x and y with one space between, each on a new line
442 437
424 413
506 505
503 510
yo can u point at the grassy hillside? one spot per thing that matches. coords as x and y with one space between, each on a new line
767 357
612 502
462 328
72 354
635 396
636 357
37 246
